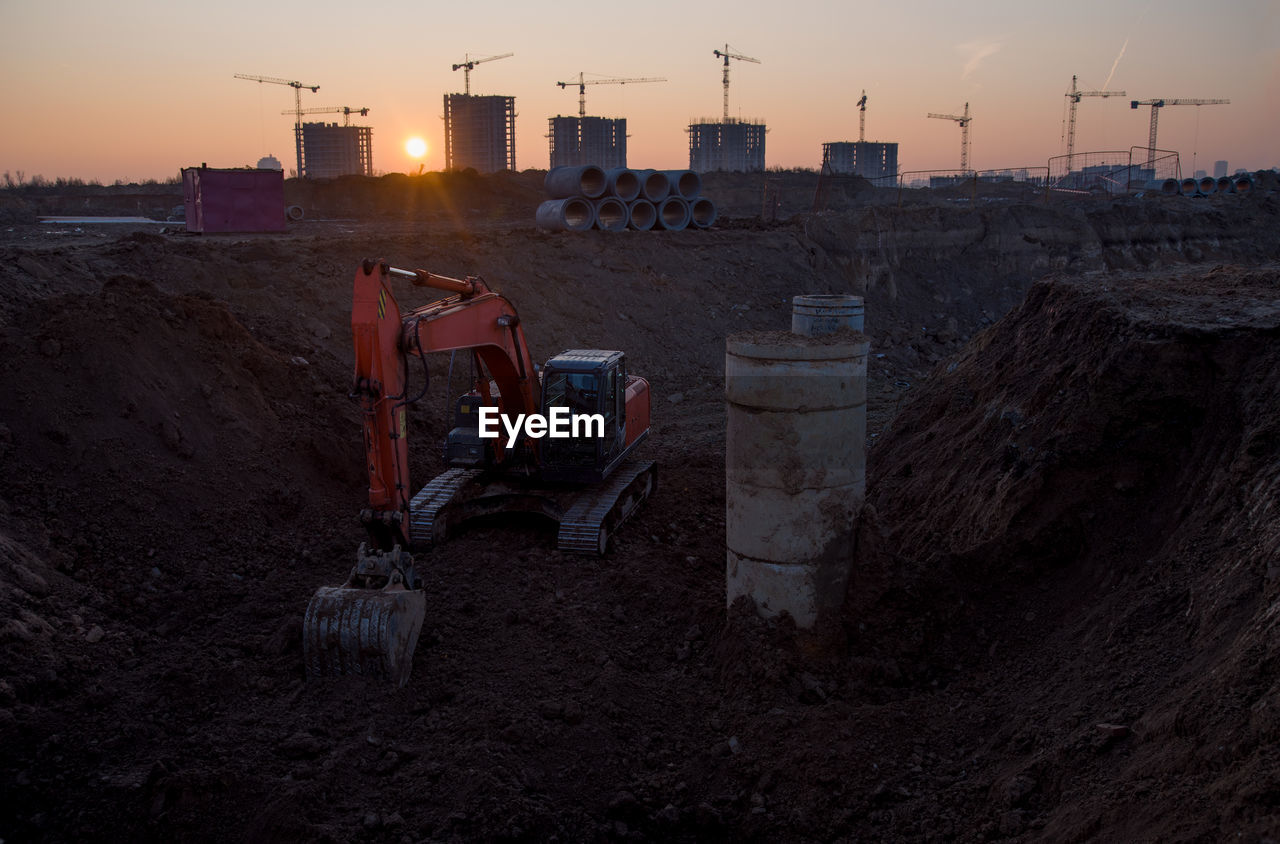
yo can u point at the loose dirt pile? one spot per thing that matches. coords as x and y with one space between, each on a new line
1070 525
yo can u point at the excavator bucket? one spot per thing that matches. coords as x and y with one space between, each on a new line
368 626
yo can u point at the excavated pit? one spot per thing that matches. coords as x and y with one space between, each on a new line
1059 622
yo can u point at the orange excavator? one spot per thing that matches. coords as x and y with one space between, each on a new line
558 440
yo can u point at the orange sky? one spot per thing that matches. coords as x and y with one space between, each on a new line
136 90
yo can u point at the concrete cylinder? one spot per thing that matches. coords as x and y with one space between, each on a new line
1243 184
643 216
673 214
1224 184
623 183
295 212
685 184
702 212
1189 187
795 470
574 214
813 315
654 185
611 214
1208 185
587 180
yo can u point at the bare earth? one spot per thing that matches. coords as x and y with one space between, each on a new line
1061 624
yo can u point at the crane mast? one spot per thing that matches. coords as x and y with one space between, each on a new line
1073 97
1158 104
468 64
862 117
963 120
726 55
297 106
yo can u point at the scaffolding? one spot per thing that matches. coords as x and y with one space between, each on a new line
328 150
479 132
601 141
869 159
727 145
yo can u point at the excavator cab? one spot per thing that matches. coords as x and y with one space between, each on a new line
592 385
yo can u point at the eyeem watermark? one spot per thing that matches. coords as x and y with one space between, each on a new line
560 424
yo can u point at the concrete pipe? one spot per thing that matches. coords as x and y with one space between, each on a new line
702 212
1208 185
295 212
573 214
795 470
1224 184
654 185
673 214
1169 187
643 216
1243 184
685 184
623 183
611 214
587 180
816 314
1189 187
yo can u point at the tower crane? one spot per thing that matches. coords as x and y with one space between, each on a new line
345 111
963 120
862 117
1073 97
1156 105
297 107
468 64
726 55
583 82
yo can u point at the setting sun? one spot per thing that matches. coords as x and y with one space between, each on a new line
416 147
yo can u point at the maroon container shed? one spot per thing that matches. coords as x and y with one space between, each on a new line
243 200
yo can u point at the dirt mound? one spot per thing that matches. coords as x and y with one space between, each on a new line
1084 503
180 468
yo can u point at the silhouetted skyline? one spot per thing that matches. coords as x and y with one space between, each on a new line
137 90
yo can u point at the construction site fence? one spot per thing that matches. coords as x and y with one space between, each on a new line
1008 182
1111 172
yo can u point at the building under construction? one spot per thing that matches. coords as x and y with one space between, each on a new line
329 150
601 141
869 159
727 145
479 132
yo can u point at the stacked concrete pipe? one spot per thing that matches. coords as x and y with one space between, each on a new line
667 200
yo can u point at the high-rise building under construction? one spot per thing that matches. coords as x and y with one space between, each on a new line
601 141
479 132
869 159
729 145
329 150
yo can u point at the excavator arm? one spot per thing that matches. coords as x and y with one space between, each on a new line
473 319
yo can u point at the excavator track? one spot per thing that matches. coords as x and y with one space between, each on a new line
592 519
431 500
